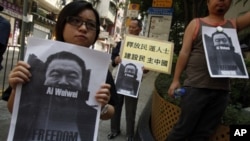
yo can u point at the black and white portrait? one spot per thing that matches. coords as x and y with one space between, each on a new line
58 103
128 78
223 53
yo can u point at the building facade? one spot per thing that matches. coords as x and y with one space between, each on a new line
42 14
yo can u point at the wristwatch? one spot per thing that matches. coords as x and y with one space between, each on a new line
105 109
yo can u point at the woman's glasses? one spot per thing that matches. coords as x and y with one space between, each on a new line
77 21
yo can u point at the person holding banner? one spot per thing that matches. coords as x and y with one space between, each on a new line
78 23
205 99
135 27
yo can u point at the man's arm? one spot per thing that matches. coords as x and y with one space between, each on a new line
183 56
243 21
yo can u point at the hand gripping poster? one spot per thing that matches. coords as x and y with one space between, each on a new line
58 103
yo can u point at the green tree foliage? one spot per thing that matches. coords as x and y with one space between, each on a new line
184 12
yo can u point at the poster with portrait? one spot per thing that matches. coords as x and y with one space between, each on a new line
59 101
128 78
223 53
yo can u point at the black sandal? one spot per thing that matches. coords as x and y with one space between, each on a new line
112 135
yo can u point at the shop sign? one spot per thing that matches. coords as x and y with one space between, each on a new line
12 9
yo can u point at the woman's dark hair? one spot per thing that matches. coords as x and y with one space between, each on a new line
73 9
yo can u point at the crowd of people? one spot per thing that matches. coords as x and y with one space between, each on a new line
204 101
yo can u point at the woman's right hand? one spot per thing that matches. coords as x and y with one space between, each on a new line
118 60
20 74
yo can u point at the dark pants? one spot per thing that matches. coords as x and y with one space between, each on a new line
2 50
130 107
201 112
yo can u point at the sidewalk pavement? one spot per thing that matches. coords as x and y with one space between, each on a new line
146 90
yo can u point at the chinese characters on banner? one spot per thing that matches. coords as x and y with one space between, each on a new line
155 54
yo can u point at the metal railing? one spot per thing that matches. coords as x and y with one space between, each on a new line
10 58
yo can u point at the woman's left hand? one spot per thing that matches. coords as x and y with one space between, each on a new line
103 94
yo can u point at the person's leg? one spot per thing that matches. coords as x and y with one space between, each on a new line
2 50
211 116
192 105
116 119
131 106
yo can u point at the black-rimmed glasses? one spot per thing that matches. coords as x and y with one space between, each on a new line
78 21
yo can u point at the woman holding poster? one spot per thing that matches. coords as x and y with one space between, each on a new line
78 23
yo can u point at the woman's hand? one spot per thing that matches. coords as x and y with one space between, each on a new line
103 94
103 97
118 60
20 74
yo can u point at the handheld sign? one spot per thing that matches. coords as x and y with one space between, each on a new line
156 55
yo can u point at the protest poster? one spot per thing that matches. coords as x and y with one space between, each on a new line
223 53
58 103
128 78
155 55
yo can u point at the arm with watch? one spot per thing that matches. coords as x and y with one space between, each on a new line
108 110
